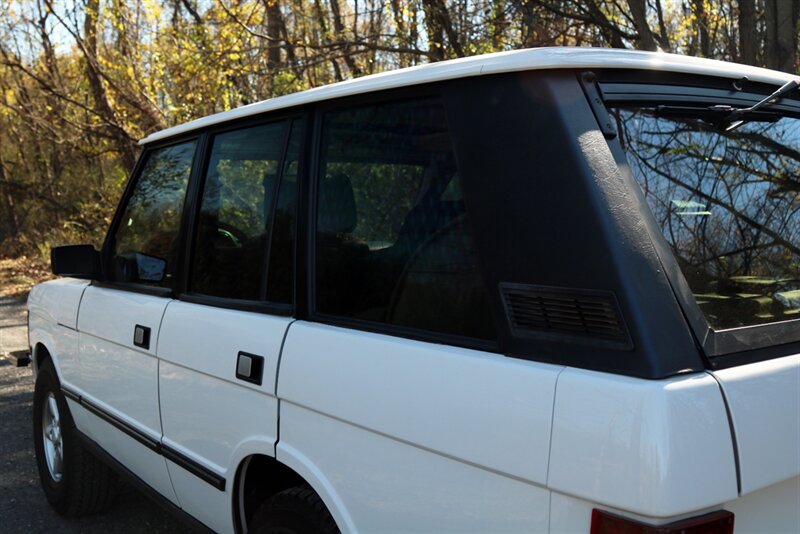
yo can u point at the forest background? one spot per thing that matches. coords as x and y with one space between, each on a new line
81 81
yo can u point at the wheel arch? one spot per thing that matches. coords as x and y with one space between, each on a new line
260 476
42 350
314 477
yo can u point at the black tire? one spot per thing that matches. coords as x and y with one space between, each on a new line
296 510
85 486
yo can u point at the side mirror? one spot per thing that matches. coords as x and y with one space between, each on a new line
150 268
76 261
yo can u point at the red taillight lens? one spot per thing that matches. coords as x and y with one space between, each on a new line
714 523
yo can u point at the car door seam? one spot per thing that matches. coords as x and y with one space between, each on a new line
280 355
731 426
552 425
277 372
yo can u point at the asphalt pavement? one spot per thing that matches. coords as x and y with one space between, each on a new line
23 507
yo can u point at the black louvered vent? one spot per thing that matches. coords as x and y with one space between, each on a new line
590 315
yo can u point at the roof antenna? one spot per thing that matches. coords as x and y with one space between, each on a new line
739 84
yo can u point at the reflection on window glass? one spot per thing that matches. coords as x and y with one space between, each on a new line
393 243
144 249
238 192
280 286
729 205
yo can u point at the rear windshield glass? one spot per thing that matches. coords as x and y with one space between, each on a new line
728 203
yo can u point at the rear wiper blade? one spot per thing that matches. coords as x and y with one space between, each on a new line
740 116
716 115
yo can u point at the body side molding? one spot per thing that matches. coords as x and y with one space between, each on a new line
200 471
140 484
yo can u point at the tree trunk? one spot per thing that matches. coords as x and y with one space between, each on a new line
639 14
435 31
437 20
781 17
747 34
701 20
605 25
401 32
98 89
273 9
11 226
338 27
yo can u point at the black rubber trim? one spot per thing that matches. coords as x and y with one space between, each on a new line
193 467
140 484
269 308
70 395
201 472
145 440
135 288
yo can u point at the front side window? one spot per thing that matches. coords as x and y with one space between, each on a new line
393 240
144 248
231 238
728 203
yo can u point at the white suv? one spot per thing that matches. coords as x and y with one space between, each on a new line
551 290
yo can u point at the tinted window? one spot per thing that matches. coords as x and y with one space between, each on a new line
231 237
728 203
281 255
144 248
393 242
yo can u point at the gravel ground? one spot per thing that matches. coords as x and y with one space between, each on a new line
23 507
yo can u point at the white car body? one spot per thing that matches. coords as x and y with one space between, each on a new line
404 435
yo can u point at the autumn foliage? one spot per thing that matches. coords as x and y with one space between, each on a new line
82 81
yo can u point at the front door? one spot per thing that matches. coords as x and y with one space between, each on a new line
119 320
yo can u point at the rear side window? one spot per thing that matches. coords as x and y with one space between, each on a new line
280 283
393 241
240 184
145 246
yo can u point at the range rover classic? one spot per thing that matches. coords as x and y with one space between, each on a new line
552 290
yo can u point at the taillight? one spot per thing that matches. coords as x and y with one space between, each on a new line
714 523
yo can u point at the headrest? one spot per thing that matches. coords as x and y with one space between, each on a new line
336 211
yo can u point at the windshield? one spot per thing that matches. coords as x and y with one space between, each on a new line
728 203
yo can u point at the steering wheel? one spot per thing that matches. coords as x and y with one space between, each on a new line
231 234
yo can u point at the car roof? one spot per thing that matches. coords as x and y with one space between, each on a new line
513 61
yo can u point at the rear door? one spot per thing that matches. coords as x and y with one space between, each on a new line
119 321
393 398
220 343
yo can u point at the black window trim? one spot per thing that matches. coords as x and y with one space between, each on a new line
133 179
270 308
309 219
726 347
290 116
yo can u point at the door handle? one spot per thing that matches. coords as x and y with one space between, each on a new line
141 336
249 367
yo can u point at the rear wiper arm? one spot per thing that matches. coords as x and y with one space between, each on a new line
716 115
739 116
